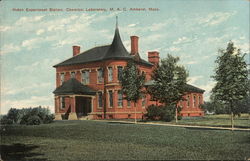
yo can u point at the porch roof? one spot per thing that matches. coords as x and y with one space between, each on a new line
73 86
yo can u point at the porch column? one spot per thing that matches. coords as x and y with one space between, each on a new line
57 112
72 114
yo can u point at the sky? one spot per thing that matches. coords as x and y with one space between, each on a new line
31 42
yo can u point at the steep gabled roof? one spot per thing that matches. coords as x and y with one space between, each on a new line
189 88
73 86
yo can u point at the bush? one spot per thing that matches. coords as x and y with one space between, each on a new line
29 116
34 120
168 113
153 112
48 119
6 121
164 113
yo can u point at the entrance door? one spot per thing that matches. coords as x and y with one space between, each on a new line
83 106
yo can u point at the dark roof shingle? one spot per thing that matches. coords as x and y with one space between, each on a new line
73 86
114 51
189 88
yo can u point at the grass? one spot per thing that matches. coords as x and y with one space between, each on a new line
94 140
217 120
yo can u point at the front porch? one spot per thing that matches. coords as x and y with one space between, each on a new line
73 101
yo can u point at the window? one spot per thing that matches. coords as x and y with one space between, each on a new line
72 75
110 74
100 99
194 101
143 102
110 99
128 103
188 101
120 104
61 78
199 100
100 75
85 77
119 73
62 102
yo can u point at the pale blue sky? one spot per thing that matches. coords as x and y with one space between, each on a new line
32 42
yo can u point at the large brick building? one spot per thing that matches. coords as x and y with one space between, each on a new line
88 84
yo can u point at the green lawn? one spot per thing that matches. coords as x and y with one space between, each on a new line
79 140
218 120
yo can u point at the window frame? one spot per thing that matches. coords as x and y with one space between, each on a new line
100 99
111 101
119 74
110 74
83 78
100 76
119 99
62 80
71 76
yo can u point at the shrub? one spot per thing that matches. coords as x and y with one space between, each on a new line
168 113
29 116
34 120
6 121
164 113
153 112
13 115
48 119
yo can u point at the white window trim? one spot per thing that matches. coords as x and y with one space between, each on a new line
98 99
82 79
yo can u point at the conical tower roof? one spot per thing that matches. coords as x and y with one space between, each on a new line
117 49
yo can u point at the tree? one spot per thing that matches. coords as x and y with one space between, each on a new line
132 82
231 78
169 82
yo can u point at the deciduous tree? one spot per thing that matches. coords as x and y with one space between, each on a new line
231 78
132 83
170 81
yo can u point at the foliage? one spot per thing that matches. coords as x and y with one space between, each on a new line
153 112
13 115
231 78
28 116
169 81
132 82
163 113
6 121
34 120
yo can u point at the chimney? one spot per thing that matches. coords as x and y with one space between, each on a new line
134 45
76 50
153 57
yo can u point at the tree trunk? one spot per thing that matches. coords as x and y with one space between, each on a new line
135 112
176 115
232 120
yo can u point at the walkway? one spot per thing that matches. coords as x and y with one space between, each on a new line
174 125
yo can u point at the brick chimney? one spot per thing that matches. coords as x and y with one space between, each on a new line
134 45
76 50
153 57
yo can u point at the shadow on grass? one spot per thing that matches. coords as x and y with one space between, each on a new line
20 152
